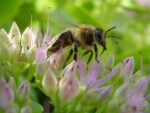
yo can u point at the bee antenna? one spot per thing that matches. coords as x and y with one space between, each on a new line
109 30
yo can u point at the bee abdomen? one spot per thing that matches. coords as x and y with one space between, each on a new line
63 40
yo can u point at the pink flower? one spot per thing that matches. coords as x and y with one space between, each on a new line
6 94
56 60
91 79
135 97
10 42
23 91
69 85
15 38
29 44
40 62
40 56
49 82
26 109
145 3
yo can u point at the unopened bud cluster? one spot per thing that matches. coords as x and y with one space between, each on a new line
13 98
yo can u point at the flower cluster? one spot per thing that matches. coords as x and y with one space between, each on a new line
14 99
25 63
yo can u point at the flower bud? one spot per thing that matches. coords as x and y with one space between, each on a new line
40 63
110 61
12 83
128 66
134 103
71 68
121 91
11 110
26 109
114 105
4 44
14 38
6 94
23 91
28 38
46 39
103 95
55 60
40 56
31 53
142 85
49 82
69 86
28 43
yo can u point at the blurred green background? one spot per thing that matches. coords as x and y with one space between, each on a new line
131 17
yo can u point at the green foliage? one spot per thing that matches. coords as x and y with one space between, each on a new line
36 108
8 10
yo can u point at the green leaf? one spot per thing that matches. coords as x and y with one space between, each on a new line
37 108
8 9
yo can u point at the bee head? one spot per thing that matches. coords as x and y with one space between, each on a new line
100 36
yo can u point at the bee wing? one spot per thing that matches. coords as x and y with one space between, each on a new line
60 41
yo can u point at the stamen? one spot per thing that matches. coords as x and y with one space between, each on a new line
141 61
31 20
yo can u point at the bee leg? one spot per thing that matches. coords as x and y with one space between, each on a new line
103 50
69 56
85 53
96 51
90 57
75 49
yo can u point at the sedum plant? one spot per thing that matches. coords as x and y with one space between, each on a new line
26 69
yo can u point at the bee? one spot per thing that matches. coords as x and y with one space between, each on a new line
85 36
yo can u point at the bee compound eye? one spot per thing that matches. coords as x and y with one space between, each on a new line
97 33
98 36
